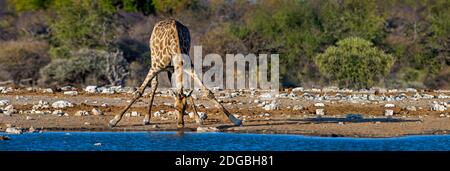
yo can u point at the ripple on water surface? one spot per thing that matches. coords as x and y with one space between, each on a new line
189 141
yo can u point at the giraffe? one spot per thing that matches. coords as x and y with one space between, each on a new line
168 42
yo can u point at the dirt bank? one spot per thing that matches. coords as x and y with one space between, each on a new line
283 120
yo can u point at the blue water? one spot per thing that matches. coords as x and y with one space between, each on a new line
172 141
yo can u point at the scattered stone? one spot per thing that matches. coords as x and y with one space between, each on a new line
96 112
61 104
108 90
298 89
271 106
435 106
202 115
388 112
411 108
87 123
41 105
155 126
104 105
158 114
29 118
4 102
68 88
191 114
320 112
389 105
207 129
81 113
298 107
135 114
71 93
319 105
47 90
91 89
341 123
13 130
58 113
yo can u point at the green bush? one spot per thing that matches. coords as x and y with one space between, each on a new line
354 63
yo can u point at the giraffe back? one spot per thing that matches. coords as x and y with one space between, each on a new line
169 38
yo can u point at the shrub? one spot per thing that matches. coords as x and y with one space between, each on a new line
354 63
86 66
20 60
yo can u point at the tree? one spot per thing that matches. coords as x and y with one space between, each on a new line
354 63
82 24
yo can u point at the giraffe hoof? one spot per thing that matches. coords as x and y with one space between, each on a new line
112 123
146 122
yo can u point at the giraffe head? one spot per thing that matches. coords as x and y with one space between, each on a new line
181 105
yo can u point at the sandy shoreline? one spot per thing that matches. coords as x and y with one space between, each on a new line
284 120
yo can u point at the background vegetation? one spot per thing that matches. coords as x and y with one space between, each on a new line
77 42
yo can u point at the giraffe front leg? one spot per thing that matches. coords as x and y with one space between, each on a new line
136 95
148 116
197 117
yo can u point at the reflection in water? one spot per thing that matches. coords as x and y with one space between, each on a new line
180 133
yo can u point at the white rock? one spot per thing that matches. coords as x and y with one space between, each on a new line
157 114
96 112
13 130
411 108
61 104
107 90
388 112
320 112
81 113
41 105
271 106
298 89
29 118
319 105
388 105
207 129
58 113
191 114
4 102
438 107
297 107
135 114
91 89
9 110
67 88
71 93
47 90
202 115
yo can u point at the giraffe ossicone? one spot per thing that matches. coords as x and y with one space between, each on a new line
169 41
